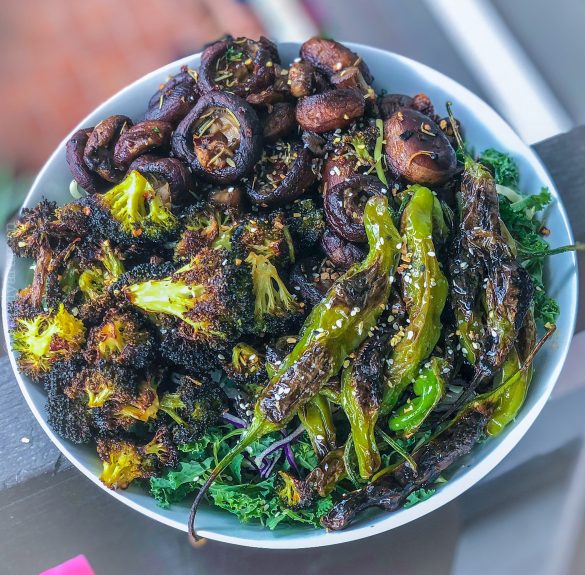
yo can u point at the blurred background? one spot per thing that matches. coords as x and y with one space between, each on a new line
61 58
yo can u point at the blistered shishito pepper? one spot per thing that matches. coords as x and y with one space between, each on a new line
334 329
390 491
329 472
318 422
425 293
508 397
360 398
429 388
485 269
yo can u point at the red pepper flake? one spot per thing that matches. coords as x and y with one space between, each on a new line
86 210
136 232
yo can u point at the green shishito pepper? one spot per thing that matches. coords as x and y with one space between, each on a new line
360 399
318 422
334 329
425 292
429 388
508 397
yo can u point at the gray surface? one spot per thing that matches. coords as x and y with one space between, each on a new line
407 28
551 33
51 513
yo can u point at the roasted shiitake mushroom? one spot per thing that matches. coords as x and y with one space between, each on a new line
344 205
301 79
239 65
352 77
284 173
175 97
141 138
341 253
279 121
390 103
330 57
416 148
220 138
336 169
99 149
230 197
168 176
74 150
302 281
330 110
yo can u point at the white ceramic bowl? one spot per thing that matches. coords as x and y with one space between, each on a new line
483 128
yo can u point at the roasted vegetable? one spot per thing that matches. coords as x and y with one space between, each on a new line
141 138
220 138
417 150
191 408
122 338
318 422
328 336
168 176
239 65
390 491
125 461
88 180
209 300
46 339
175 98
425 293
99 148
361 395
429 388
306 223
331 57
342 253
132 211
283 174
330 110
275 308
344 204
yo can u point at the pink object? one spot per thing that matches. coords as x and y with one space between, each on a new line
77 566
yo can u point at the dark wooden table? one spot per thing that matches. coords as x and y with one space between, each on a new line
50 512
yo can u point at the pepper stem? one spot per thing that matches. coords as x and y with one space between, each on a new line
256 430
455 127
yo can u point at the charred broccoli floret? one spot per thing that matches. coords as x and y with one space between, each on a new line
192 407
294 493
162 449
275 308
122 338
82 276
45 339
247 368
68 417
306 222
198 357
267 236
133 212
107 267
122 410
94 386
125 461
33 230
209 296
204 225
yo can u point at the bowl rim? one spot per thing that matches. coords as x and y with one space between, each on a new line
381 522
